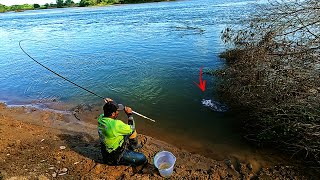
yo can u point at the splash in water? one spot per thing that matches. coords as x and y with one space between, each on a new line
214 105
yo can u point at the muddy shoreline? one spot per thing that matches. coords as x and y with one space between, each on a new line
40 144
85 114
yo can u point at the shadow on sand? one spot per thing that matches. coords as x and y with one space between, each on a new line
84 144
87 146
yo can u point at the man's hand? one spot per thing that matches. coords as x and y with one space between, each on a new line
128 110
107 100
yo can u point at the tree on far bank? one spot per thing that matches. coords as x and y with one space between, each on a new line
68 3
2 8
36 6
84 3
59 3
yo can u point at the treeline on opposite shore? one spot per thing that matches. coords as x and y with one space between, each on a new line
70 3
272 77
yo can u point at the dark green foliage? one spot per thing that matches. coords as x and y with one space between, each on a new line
35 6
84 3
59 3
68 3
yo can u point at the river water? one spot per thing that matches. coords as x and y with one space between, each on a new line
143 55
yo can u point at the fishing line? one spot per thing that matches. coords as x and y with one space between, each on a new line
71 81
57 73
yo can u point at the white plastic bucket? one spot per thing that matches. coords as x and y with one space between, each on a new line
164 162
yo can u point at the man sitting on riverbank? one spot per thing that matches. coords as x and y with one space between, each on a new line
118 140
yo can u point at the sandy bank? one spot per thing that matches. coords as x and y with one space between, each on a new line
38 144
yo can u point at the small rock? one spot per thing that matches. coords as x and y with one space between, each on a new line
8 154
42 161
42 140
64 170
62 147
51 168
313 91
54 174
61 174
76 163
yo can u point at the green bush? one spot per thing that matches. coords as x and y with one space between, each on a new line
59 3
36 6
3 8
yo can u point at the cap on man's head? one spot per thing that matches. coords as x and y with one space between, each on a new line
111 107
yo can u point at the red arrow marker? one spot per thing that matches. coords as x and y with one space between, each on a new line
202 84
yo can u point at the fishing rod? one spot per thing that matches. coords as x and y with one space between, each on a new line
134 112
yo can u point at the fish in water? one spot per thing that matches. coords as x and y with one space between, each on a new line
214 105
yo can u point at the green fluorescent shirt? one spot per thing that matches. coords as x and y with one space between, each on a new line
112 131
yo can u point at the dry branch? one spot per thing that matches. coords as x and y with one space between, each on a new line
274 74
